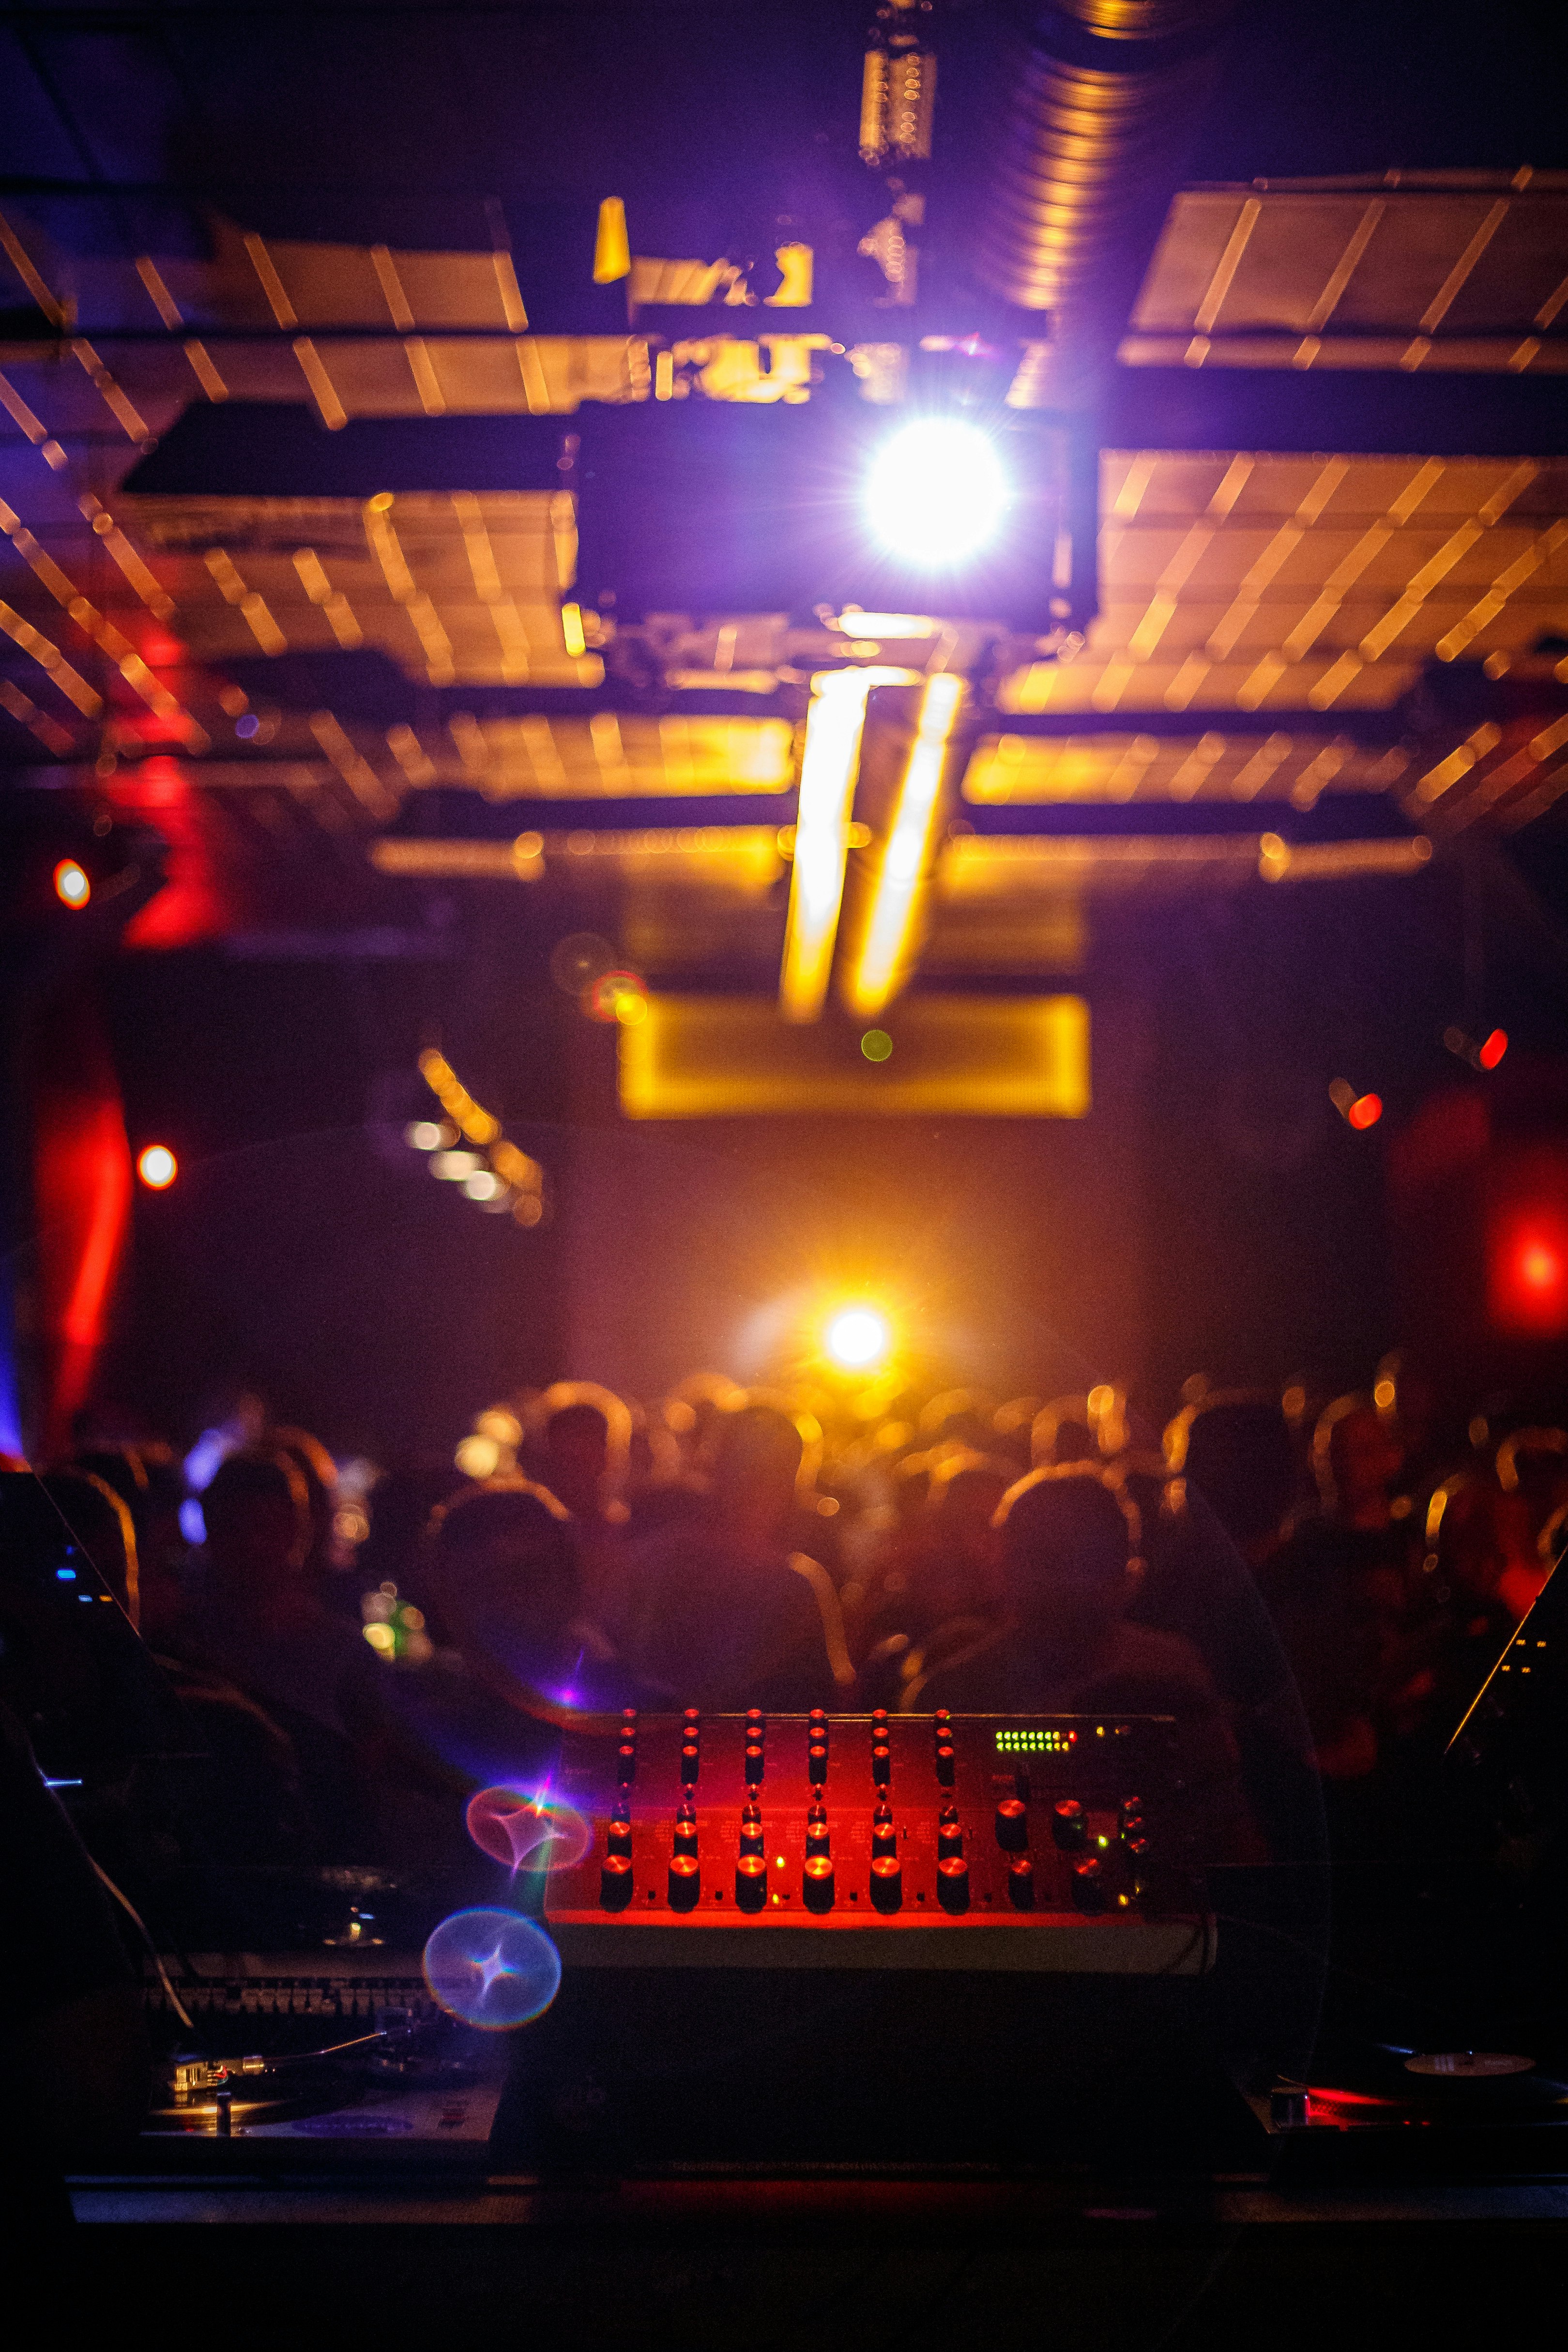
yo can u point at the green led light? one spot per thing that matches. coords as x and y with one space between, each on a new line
1035 1743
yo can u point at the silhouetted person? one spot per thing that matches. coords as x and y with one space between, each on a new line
730 1610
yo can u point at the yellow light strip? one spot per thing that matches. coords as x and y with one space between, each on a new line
880 966
834 725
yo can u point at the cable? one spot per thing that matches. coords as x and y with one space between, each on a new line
175 2003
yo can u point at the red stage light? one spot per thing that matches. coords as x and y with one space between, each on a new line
1490 1050
1540 1269
1366 1111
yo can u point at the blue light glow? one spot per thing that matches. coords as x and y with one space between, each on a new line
491 1969
66 1575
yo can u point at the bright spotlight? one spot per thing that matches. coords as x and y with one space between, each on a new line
71 886
937 492
157 1167
857 1338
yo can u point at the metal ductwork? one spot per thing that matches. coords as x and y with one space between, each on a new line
1105 98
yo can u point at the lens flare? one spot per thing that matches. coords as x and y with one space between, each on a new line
491 1969
515 1827
937 492
857 1338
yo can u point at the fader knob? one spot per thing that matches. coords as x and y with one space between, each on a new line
1020 1884
1069 1825
615 1881
817 1885
886 1883
751 1882
685 1884
953 1884
1012 1825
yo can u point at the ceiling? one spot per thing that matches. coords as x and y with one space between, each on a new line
1316 631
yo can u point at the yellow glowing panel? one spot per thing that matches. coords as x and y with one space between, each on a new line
953 1056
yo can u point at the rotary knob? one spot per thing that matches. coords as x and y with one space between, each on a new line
626 1763
751 1882
1020 1884
618 1837
686 1884
1012 1825
883 1838
1088 1886
817 1840
615 1881
953 1884
886 1883
690 1760
685 1837
949 1839
945 1766
1069 1825
753 1761
751 1838
817 1885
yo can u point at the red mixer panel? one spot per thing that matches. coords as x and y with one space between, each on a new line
1051 1842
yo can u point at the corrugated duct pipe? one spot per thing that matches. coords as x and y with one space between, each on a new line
1105 96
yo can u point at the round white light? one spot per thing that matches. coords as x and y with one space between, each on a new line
481 1185
857 1337
452 1167
937 492
424 1134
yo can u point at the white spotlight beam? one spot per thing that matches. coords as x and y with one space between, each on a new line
876 972
829 764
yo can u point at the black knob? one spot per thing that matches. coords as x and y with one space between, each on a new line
816 1886
953 1884
949 1839
1069 1825
753 1763
686 1884
945 1766
751 1839
818 1721
886 1883
618 1837
878 1720
942 1720
882 1766
689 1762
1020 1884
1012 1825
685 1838
816 1837
629 1717
615 1881
883 1838
751 1882
816 1765
1131 1814
1088 1886
756 1723
627 1764
691 1716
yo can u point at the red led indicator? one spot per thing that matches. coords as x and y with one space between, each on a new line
1491 1050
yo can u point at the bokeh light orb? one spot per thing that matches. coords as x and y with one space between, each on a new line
157 1167
513 1827
72 888
857 1337
937 491
491 1969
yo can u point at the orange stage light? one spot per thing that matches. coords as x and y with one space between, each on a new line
157 1167
72 888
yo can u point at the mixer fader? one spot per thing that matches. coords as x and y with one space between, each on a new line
1024 1842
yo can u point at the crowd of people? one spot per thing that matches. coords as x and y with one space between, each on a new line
1316 1590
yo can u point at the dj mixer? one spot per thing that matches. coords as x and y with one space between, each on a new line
801 1938
1030 1842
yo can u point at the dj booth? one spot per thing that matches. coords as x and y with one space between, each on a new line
868 2031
